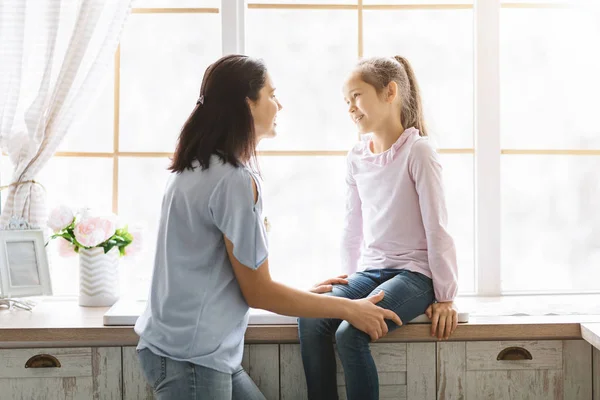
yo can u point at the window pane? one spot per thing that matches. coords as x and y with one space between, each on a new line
458 185
141 187
178 3
93 131
550 81
163 59
439 45
78 182
550 223
303 198
308 53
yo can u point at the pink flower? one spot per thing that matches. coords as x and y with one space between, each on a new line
91 232
65 248
136 245
60 218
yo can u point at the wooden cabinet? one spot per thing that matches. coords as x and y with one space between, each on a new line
134 383
406 371
261 361
549 370
596 373
535 370
61 373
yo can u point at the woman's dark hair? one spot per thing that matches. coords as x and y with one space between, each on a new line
222 123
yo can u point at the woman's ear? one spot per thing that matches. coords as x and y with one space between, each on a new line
251 103
391 92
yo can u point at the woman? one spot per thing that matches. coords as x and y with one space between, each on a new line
211 259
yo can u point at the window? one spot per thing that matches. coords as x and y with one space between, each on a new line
550 147
510 103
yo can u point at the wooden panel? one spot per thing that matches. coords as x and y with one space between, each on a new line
515 385
293 382
591 333
451 369
106 373
135 386
421 371
75 362
390 359
103 380
577 370
46 388
387 392
596 373
261 362
546 354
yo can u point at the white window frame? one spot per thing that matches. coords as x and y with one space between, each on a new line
486 148
487 189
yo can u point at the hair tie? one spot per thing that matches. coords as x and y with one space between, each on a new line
200 100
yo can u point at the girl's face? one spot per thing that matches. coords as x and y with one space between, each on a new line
368 109
264 111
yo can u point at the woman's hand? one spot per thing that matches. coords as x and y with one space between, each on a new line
370 318
327 286
444 318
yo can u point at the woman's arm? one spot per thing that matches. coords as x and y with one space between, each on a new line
260 291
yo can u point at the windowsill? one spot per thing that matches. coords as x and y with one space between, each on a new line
533 305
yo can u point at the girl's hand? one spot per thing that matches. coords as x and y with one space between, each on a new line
327 286
444 318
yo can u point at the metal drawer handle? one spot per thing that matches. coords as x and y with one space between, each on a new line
514 353
42 361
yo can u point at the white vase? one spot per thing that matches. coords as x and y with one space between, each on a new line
98 277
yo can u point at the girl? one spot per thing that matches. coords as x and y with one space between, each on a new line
395 212
211 254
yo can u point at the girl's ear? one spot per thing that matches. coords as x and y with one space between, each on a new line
391 92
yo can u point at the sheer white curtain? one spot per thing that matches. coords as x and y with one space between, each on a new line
53 54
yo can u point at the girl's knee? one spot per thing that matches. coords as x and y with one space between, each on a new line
348 337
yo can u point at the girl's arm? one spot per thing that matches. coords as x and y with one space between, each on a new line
426 170
352 236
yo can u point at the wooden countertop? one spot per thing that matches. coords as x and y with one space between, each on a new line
65 324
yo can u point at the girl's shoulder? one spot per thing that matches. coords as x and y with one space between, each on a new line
421 146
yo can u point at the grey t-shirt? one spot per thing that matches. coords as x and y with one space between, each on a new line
196 311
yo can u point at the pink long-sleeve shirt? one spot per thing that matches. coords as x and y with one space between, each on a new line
396 212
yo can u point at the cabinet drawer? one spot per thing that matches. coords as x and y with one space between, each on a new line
514 355
46 363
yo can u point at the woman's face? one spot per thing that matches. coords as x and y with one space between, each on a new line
264 110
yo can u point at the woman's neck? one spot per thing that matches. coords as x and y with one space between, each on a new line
384 138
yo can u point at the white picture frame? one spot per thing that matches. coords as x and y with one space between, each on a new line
24 269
